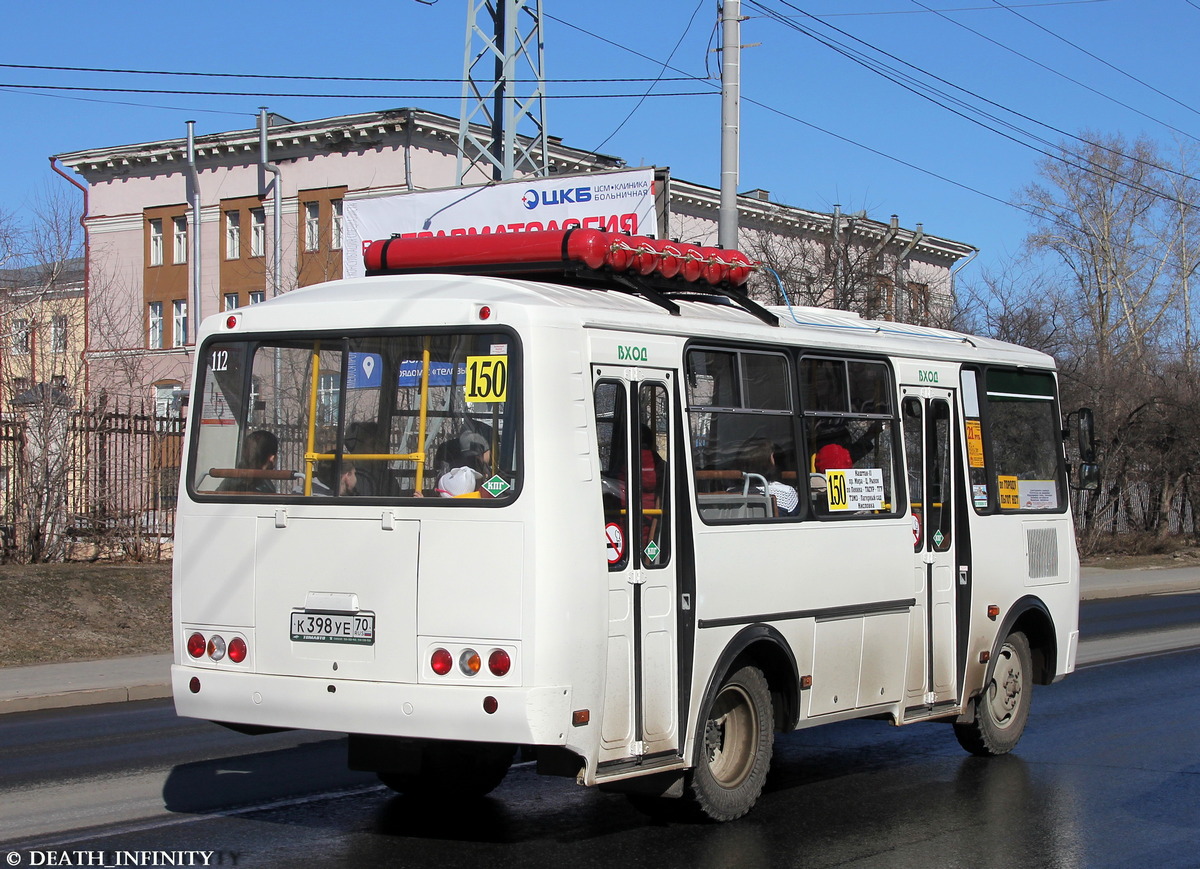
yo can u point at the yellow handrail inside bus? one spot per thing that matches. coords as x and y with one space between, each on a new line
419 456
310 457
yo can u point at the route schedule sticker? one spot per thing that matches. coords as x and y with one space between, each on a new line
974 444
855 489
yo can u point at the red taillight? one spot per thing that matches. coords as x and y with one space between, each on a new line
196 645
237 650
499 662
484 312
230 322
441 661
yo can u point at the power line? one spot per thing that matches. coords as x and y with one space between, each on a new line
119 90
1113 67
937 96
670 56
1056 72
968 8
277 77
5 89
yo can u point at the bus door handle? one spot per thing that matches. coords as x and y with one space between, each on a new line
963 570
637 577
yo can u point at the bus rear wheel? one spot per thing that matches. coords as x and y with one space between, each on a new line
1002 710
454 769
737 739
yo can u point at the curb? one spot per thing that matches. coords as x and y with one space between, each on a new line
84 697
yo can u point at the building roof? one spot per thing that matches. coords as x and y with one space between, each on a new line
286 137
63 275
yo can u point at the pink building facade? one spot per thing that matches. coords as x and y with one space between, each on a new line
268 226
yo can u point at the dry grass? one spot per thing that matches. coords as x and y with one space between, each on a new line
79 612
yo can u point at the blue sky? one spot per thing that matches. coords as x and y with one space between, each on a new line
806 113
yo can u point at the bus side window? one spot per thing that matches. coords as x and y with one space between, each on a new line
849 419
740 413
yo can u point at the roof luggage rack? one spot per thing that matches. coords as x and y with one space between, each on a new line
662 272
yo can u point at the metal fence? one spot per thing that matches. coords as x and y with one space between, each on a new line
98 482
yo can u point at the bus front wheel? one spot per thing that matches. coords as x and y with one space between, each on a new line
736 742
1002 709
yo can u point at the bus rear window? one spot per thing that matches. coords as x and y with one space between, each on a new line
396 416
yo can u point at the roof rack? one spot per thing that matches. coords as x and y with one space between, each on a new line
662 272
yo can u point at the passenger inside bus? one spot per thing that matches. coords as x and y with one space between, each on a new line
363 476
758 458
259 452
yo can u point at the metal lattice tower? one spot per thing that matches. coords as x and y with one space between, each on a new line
505 96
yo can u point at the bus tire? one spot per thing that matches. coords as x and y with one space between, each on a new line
737 734
1002 709
454 769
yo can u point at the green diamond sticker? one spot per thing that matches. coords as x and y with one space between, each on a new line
652 551
938 538
496 486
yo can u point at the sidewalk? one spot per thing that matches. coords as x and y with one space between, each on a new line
53 686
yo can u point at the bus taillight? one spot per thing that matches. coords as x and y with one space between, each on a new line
499 662
216 647
469 662
196 645
237 650
441 661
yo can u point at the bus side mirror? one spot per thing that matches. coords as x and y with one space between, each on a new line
1089 476
1087 437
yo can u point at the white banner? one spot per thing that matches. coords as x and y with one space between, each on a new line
613 201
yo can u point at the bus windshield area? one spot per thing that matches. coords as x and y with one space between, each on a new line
358 417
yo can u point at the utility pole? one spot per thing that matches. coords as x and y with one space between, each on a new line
511 94
731 95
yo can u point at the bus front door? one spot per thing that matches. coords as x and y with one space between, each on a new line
928 445
635 429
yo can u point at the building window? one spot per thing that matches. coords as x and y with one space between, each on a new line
335 240
258 231
257 296
179 307
180 239
59 381
233 234
156 241
20 337
918 302
312 225
167 399
231 301
20 386
58 334
155 338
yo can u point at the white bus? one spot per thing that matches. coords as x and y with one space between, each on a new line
575 494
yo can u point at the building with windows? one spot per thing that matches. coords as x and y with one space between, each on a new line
270 205
42 320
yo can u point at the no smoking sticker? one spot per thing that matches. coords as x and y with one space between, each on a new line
615 540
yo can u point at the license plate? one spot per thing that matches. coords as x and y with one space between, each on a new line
354 628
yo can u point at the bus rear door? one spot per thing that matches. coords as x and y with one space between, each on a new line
635 429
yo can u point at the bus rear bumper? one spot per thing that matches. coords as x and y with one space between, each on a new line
522 716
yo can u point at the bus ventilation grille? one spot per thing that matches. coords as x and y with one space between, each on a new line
1042 545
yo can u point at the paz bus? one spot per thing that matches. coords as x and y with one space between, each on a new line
575 497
